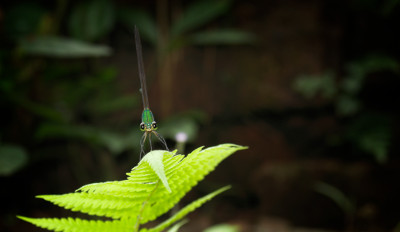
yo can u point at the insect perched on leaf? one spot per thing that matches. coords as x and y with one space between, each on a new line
148 124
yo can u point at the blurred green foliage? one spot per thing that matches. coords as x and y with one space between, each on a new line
183 30
372 134
310 86
55 78
223 228
344 202
92 20
58 47
12 158
23 19
115 142
51 74
369 131
185 122
337 196
344 92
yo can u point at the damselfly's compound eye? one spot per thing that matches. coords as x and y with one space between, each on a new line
154 125
142 126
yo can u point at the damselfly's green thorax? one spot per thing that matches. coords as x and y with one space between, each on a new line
148 124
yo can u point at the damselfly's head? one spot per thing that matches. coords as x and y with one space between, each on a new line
148 126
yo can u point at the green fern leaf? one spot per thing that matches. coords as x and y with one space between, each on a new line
187 174
155 160
77 224
176 227
140 198
183 212
99 204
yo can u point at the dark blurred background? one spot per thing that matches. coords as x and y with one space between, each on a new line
312 87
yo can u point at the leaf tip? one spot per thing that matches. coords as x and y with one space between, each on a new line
27 219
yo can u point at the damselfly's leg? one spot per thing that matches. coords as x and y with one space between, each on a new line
142 141
151 147
161 139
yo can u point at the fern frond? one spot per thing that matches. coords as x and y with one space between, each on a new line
178 225
187 209
72 224
115 188
99 204
155 160
187 174
153 187
118 199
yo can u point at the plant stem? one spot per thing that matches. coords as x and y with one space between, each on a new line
143 205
